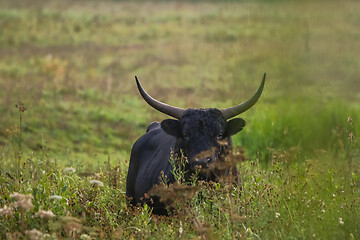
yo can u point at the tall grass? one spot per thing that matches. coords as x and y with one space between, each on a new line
316 198
63 161
305 125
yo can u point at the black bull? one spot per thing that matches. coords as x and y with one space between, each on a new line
195 131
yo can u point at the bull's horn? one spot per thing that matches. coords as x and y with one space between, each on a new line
236 110
162 107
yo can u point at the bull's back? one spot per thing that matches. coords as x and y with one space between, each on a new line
149 157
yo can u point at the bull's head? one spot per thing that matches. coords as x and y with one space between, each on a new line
202 131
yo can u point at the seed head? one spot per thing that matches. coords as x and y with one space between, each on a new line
45 214
96 183
23 201
55 197
34 234
6 211
69 170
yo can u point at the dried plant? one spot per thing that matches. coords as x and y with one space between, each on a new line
22 201
45 214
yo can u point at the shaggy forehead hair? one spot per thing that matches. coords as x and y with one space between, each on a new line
203 119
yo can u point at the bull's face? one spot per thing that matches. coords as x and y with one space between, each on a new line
203 135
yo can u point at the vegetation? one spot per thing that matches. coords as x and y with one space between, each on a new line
70 113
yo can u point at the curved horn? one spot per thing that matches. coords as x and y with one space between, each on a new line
162 107
242 107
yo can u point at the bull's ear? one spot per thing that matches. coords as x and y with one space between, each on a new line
234 126
171 126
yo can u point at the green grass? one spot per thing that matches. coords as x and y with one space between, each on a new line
73 64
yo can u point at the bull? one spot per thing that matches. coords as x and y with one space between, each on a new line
192 133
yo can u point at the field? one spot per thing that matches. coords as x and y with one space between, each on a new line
70 113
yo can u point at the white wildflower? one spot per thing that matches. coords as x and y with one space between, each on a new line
48 236
341 221
180 229
85 237
323 210
34 234
6 211
69 170
97 183
45 214
277 215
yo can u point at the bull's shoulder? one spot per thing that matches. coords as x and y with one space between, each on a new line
149 157
153 125
154 139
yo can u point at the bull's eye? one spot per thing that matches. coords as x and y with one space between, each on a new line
186 136
219 136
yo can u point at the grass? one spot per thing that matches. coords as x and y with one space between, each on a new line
72 65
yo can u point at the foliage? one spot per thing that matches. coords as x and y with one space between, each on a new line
70 113
285 199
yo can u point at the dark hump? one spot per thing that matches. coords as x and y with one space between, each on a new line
152 126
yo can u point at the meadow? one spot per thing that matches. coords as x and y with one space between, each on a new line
70 113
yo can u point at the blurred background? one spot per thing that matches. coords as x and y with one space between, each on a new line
72 64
